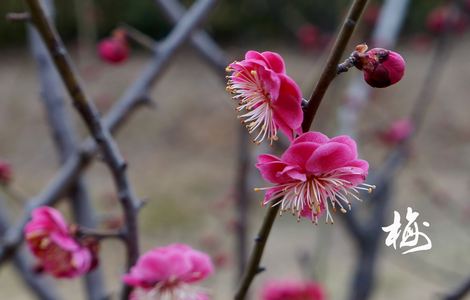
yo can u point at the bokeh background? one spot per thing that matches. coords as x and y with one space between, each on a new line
182 153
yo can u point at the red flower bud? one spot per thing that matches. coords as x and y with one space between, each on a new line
113 50
381 67
6 173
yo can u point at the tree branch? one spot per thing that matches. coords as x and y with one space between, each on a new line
65 139
330 69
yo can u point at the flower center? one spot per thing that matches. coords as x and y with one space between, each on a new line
317 193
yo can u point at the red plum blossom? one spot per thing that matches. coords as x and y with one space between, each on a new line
270 99
52 243
314 173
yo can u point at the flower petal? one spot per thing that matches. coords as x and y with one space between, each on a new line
312 136
275 61
287 108
344 139
328 157
299 154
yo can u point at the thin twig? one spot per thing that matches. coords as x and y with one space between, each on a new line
138 36
330 69
99 233
328 73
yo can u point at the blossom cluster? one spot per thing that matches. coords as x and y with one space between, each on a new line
165 273
315 174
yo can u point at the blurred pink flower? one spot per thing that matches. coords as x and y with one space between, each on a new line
309 36
398 131
6 173
114 49
168 272
312 171
50 240
440 20
292 290
371 15
381 67
270 99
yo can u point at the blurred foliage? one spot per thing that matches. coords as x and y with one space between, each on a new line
232 20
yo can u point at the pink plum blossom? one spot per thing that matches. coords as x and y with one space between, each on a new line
270 100
52 243
381 67
313 172
398 131
168 273
292 290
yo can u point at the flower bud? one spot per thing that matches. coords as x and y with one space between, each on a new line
381 67
114 50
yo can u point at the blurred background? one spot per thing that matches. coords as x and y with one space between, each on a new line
182 152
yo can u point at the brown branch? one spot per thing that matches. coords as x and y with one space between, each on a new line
328 73
330 69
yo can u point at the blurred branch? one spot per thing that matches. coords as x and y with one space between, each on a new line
209 49
64 135
18 17
40 286
100 233
213 54
460 292
139 37
327 75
